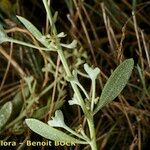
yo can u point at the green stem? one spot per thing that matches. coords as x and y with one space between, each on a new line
93 94
82 88
88 115
27 44
92 133
76 134
63 59
74 86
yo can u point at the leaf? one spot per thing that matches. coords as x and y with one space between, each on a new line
74 101
51 133
36 33
115 83
58 120
5 113
61 35
93 73
72 45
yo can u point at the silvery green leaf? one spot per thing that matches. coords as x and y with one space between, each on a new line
5 113
93 73
71 45
58 120
61 35
35 32
74 101
115 83
51 133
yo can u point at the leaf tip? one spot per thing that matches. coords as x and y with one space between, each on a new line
28 121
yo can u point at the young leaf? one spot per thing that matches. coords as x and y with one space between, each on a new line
61 35
5 113
115 83
58 120
51 133
93 73
72 45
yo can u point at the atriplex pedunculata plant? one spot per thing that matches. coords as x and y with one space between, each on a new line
91 104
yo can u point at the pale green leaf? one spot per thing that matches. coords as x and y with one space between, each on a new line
57 120
115 83
93 73
51 133
5 113
72 45
36 33
74 101
61 35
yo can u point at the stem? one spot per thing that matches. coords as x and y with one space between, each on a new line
82 104
63 59
27 44
84 91
93 94
74 86
88 115
92 133
76 134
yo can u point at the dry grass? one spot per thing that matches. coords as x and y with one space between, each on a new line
107 32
